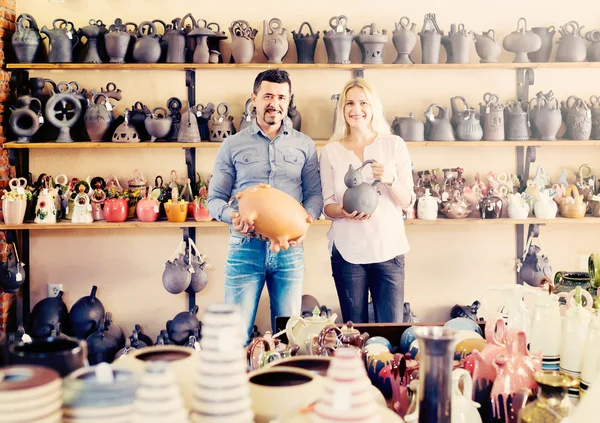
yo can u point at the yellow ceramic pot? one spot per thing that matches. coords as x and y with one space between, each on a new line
176 212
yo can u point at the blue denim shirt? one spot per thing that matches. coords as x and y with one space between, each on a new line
289 163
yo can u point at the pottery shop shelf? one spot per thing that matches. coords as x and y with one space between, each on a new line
346 66
93 145
129 224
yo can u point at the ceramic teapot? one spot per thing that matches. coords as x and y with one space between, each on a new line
265 349
522 42
86 315
409 128
301 331
183 325
288 223
351 337
359 196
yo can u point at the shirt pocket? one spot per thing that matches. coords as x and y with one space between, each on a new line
294 162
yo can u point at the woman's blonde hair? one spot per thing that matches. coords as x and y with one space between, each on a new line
378 123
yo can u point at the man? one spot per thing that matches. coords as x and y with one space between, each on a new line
270 151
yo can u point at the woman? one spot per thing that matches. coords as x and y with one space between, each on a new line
367 252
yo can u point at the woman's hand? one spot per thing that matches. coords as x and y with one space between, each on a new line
336 211
381 174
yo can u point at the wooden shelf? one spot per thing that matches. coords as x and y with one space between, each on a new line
93 145
532 143
346 66
136 224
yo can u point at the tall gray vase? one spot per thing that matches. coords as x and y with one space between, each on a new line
436 349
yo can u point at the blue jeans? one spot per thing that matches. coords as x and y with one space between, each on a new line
250 263
385 280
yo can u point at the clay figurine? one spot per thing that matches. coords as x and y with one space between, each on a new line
82 209
360 197
286 223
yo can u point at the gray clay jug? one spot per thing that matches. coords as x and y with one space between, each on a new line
578 118
404 38
26 39
548 118
487 47
571 45
458 44
242 41
457 115
61 41
275 44
176 276
438 127
338 41
409 128
188 131
117 41
431 40
24 119
97 117
360 197
543 54
469 127
516 120
158 125
371 43
305 44
147 47
549 96
175 37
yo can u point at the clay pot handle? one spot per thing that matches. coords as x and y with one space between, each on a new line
135 27
156 181
338 21
138 173
36 100
218 31
580 171
96 97
573 192
495 332
151 29
27 17
524 24
189 15
177 103
203 21
164 115
551 29
309 28
164 25
404 22
275 25
93 293
64 21
225 113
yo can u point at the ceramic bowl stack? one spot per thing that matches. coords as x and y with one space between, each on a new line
99 394
158 398
222 393
30 394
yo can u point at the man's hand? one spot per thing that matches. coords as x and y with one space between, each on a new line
241 223
301 239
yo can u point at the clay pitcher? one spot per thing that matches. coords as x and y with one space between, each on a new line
175 42
487 47
147 47
543 54
438 127
98 117
61 41
117 41
26 39
275 44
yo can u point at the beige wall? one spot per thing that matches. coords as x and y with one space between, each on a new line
446 265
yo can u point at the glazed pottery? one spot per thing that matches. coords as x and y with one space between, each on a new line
571 45
518 207
86 314
301 331
522 42
280 228
572 204
462 323
552 404
275 44
371 43
490 207
338 41
64 355
404 38
487 47
544 52
427 208
305 44
115 209
13 210
431 40
26 40
359 196
176 211
26 119
61 41
545 207
47 314
546 314
147 209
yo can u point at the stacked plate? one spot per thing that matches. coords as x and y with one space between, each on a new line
99 394
222 393
30 394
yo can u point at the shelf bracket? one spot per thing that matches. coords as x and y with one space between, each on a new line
524 160
358 73
525 78
190 83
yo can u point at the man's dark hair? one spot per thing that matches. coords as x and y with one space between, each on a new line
279 76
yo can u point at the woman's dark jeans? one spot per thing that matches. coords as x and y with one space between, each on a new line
385 280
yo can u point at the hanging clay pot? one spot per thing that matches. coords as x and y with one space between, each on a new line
12 271
177 275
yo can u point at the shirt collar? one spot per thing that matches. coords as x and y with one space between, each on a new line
283 130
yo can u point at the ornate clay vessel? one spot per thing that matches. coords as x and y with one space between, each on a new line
305 44
595 108
438 127
63 116
593 50
571 45
492 114
577 117
409 128
431 40
404 38
95 30
158 124
86 314
543 54
516 120
175 38
26 39
487 47
221 126
26 118
458 44
457 115
359 196
548 119
371 43
98 117
338 41
280 228
61 41
126 132
242 41
469 127
147 47
117 41
275 44
522 42
201 51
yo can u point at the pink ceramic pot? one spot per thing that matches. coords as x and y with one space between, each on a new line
115 209
199 213
147 210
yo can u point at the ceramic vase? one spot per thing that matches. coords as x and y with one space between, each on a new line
116 209
544 52
404 38
305 44
14 211
222 393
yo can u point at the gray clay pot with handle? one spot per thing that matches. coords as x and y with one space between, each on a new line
61 41
516 120
438 127
360 197
404 38
487 47
305 44
578 118
275 44
147 48
431 40
571 45
338 41
521 42
409 128
543 54
371 43
26 40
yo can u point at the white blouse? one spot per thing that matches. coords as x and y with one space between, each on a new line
381 237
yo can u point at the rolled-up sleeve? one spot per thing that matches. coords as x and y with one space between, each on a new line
221 185
312 196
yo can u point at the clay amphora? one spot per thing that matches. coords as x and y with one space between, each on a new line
404 38
305 44
93 32
117 41
158 124
147 47
338 41
469 128
516 120
438 128
571 45
577 117
61 41
458 44
175 38
242 41
359 196
487 47
431 40
25 120
549 96
26 39
543 54
409 128
522 42
97 117
275 44
371 43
